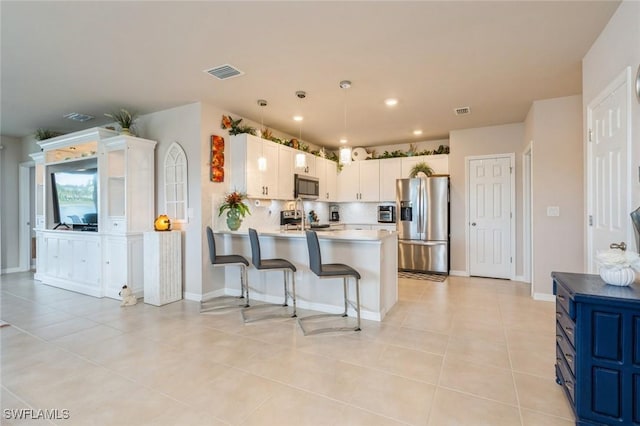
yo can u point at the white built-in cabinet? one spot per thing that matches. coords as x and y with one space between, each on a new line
359 181
98 261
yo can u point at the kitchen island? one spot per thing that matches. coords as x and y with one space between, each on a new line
373 253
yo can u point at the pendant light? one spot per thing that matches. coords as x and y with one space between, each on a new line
262 160
300 158
345 151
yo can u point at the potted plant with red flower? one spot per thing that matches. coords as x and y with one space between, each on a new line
236 209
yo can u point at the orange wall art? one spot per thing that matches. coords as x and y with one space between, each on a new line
217 158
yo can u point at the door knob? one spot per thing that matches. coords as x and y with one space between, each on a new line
473 224
622 246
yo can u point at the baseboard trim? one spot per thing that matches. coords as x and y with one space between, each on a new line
458 273
544 297
12 270
521 279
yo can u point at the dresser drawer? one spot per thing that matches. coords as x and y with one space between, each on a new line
563 297
566 349
566 323
566 378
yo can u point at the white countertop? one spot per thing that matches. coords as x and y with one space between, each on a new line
346 235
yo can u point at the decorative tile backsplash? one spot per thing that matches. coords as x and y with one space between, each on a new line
265 214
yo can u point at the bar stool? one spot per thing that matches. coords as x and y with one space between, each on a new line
271 265
226 260
331 270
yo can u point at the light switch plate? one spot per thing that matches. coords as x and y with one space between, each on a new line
553 211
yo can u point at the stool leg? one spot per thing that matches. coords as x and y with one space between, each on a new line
358 302
293 294
244 283
346 295
286 279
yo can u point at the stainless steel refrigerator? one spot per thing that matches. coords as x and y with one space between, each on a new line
422 206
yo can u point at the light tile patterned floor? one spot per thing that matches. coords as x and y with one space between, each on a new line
467 351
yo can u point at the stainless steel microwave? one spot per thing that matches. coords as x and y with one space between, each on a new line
306 187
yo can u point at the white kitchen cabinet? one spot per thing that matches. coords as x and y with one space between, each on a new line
248 155
360 181
258 155
439 163
310 168
327 174
285 173
390 170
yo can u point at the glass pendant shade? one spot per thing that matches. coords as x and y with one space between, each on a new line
345 155
262 164
301 161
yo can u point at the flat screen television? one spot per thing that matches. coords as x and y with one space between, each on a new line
75 198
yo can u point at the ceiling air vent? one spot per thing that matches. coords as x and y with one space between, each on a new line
223 72
462 111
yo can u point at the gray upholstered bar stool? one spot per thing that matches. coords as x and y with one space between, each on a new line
226 260
271 265
331 270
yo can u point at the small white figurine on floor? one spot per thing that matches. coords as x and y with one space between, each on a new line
128 298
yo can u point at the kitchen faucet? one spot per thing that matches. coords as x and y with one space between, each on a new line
295 209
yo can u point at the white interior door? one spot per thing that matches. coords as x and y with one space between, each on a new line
489 224
608 169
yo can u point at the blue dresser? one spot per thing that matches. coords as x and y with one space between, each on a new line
598 348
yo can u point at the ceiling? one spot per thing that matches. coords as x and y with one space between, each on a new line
96 57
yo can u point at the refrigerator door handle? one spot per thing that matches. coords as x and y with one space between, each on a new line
420 211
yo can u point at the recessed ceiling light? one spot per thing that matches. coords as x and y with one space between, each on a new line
417 132
343 140
75 116
391 102
298 118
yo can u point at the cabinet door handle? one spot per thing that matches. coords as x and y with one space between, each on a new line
559 338
569 330
569 357
267 190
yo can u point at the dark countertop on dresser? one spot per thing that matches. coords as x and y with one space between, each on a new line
584 286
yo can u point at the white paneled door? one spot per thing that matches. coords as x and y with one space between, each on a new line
490 217
608 169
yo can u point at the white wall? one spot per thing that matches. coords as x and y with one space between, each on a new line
617 47
554 127
503 139
9 221
182 125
